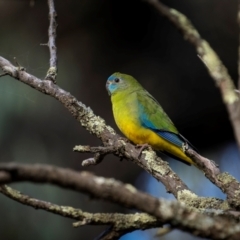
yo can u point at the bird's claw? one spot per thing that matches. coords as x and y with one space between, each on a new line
142 147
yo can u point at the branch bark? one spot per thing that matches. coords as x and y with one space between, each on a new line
52 33
10 172
174 213
120 223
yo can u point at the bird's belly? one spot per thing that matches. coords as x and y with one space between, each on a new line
128 122
138 134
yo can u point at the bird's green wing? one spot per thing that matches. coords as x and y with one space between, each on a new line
152 116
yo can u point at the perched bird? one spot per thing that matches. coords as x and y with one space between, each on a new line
141 118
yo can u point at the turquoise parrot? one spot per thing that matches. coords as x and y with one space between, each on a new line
142 120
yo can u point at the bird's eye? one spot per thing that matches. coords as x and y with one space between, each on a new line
116 80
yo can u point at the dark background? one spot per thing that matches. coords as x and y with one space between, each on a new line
94 39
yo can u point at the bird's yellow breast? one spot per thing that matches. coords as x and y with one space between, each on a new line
128 121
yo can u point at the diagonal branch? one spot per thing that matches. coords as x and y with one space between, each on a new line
52 71
149 161
227 183
214 65
172 212
96 125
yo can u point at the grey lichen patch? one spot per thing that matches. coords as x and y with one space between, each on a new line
186 195
225 178
122 142
230 97
131 188
54 208
94 124
107 181
150 158
72 211
111 130
16 194
210 58
166 209
81 148
192 200
142 217
52 71
185 23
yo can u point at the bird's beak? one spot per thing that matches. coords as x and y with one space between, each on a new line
107 87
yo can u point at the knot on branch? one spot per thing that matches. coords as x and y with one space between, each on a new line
100 152
51 74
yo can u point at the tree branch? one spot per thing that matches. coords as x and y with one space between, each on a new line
120 223
52 71
174 213
10 172
215 66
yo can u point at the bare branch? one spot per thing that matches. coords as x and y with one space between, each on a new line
215 66
52 33
121 223
174 213
100 153
67 178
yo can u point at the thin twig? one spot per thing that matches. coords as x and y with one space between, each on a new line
52 33
100 153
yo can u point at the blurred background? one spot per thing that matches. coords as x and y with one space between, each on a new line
94 39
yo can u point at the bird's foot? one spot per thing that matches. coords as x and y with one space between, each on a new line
185 146
142 147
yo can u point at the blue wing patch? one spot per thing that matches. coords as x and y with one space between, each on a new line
171 137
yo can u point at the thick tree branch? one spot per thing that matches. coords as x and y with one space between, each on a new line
52 33
215 66
11 172
174 213
120 223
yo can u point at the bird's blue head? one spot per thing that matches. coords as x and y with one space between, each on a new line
113 83
118 82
